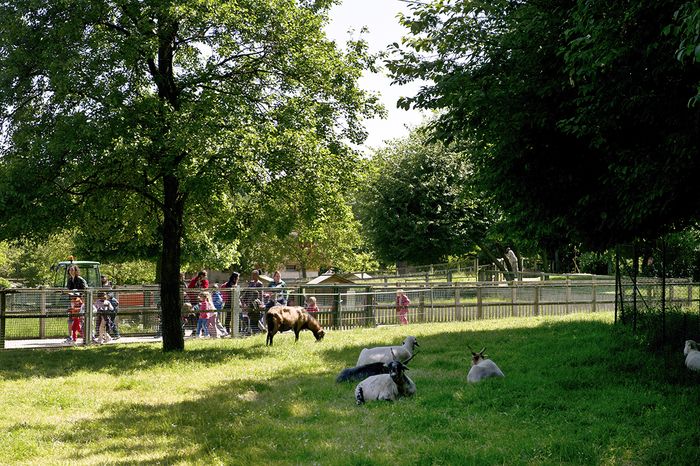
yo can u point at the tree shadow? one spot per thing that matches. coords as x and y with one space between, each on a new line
293 417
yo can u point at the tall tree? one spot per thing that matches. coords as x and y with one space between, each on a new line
168 110
574 113
419 205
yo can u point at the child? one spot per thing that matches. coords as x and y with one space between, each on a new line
311 306
104 308
212 318
76 306
202 307
402 303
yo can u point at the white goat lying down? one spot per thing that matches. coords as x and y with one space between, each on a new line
692 355
386 353
482 368
386 387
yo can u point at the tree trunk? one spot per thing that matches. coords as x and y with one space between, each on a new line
170 292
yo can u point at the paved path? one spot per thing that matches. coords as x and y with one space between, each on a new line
61 342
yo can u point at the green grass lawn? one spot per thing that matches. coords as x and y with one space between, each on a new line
575 393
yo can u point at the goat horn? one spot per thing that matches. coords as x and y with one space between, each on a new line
470 349
482 351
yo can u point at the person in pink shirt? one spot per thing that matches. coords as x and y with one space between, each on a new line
402 303
203 308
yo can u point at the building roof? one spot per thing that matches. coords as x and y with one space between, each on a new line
327 279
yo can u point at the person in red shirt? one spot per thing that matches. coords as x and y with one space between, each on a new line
199 281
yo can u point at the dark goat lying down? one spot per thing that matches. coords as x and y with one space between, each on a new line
359 373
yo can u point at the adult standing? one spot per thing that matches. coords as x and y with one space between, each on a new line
278 297
75 281
251 312
200 282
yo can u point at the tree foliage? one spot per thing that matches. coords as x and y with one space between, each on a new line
574 113
150 122
419 205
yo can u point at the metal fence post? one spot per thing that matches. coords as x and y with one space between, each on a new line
87 328
42 311
458 304
335 310
3 301
479 303
236 309
369 310
594 296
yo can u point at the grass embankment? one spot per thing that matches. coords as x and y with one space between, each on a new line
574 393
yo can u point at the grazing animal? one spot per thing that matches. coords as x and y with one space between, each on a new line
384 353
387 387
692 355
281 318
482 368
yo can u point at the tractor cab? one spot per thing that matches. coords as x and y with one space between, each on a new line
89 270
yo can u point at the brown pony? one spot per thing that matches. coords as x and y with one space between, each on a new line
281 318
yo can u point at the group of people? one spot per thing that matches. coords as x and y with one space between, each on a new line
104 308
253 302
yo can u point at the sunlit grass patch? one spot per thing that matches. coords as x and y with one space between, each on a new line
576 391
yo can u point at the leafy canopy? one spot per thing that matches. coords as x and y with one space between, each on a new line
153 122
419 204
574 114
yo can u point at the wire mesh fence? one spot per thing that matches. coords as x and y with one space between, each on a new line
48 313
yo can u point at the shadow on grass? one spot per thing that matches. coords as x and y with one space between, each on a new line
109 359
574 392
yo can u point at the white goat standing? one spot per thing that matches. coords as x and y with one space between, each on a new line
692 355
482 368
387 387
386 353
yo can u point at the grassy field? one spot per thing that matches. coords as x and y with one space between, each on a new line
575 392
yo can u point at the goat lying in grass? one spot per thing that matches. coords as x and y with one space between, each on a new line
482 368
387 354
358 373
692 355
281 318
386 387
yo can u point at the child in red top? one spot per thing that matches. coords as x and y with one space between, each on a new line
76 305
402 303
311 306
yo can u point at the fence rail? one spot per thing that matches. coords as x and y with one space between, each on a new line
27 314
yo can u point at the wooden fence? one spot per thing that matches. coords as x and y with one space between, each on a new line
43 314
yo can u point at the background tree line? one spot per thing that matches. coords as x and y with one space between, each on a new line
187 135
